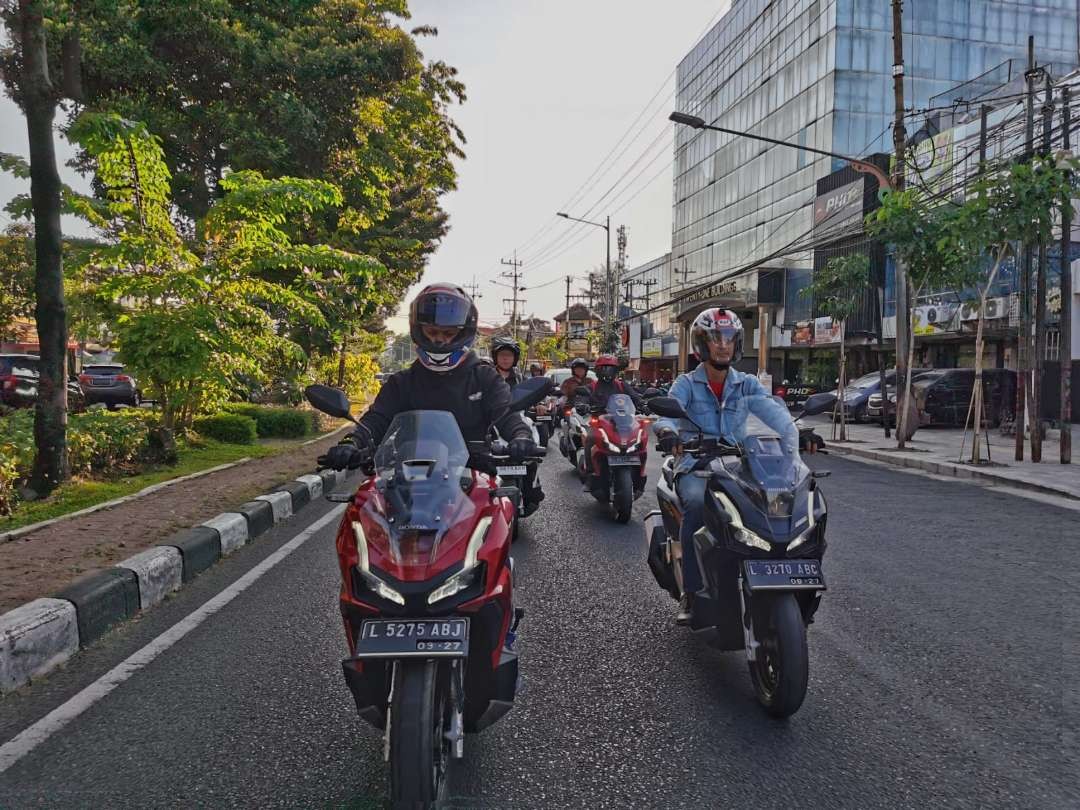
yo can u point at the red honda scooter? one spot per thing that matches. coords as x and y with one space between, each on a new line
427 591
613 464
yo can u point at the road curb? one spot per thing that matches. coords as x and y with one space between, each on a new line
41 635
34 639
948 469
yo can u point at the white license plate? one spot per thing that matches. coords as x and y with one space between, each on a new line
624 461
510 472
543 419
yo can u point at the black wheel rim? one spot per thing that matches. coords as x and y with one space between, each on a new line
767 663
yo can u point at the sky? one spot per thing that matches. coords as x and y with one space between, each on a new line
563 114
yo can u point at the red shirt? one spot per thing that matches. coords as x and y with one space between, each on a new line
718 389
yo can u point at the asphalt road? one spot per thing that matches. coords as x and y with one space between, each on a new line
944 671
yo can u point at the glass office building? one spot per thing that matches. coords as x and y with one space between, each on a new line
819 73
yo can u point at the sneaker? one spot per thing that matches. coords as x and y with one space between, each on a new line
683 617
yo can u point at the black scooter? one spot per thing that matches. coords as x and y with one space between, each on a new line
759 554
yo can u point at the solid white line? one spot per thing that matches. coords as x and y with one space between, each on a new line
19 746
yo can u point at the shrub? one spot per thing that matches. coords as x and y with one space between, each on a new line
232 428
274 423
284 423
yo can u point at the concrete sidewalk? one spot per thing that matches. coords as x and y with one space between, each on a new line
937 450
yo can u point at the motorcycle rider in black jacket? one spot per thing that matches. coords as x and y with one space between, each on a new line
446 376
506 354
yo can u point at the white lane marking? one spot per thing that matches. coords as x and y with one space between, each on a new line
27 740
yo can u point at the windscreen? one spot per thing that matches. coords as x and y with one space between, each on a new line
622 413
771 470
419 468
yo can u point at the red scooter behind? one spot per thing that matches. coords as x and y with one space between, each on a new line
427 592
613 464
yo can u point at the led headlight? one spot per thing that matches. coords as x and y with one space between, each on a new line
467 575
363 565
740 532
802 538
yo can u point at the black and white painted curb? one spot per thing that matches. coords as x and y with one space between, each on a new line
41 635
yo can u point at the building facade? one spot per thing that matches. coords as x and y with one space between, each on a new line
817 73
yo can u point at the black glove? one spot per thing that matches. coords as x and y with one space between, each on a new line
667 441
521 449
341 456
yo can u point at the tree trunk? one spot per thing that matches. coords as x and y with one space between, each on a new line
39 105
843 384
341 364
977 392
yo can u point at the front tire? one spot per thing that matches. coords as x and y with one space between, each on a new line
781 671
418 748
623 496
543 429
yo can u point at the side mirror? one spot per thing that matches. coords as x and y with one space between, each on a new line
667 406
818 403
529 392
331 401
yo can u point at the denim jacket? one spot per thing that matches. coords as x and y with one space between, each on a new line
743 395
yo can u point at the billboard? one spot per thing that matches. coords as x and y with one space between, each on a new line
652 347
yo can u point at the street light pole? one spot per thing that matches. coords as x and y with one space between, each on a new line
858 165
608 278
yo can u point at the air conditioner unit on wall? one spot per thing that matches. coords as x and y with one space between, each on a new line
969 311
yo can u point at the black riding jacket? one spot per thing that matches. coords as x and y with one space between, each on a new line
473 392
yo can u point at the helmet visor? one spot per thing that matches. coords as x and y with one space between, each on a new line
719 335
442 309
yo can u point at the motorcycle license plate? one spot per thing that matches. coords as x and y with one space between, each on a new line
417 638
784 575
623 461
511 472
543 419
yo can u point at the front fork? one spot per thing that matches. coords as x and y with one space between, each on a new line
455 735
749 639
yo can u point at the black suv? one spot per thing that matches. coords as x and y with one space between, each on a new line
109 384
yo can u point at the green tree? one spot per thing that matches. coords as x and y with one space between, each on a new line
28 67
16 275
836 290
550 349
921 231
193 315
326 89
1006 205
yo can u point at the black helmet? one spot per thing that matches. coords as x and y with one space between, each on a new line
505 342
717 325
579 361
443 305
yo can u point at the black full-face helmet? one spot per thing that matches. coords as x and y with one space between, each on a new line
445 307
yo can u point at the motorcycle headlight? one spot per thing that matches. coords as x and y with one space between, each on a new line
456 584
467 575
363 565
738 530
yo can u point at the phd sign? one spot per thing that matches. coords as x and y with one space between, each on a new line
840 207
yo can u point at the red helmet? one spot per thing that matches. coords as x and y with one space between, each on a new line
717 326
606 367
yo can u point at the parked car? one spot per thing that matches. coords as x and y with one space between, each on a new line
560 375
19 375
857 395
943 396
109 384
794 394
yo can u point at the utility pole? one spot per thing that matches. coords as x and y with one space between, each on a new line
566 313
1023 340
1040 297
474 289
903 315
1065 355
513 273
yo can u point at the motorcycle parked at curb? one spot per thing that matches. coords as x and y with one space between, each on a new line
760 553
427 591
612 463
